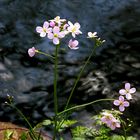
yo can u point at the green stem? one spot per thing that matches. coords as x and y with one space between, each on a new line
55 90
79 75
21 114
45 54
83 105
78 78
125 135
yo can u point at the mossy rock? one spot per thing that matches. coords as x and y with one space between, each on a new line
9 131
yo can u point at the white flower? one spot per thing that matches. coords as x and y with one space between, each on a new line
56 35
92 35
74 29
58 20
127 91
43 30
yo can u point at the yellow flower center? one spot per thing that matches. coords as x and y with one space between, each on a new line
127 91
74 29
55 35
44 30
121 103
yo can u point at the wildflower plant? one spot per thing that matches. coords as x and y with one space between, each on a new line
55 30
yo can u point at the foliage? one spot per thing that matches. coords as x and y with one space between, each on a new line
23 136
8 134
84 133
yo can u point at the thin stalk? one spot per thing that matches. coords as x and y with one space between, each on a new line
79 75
45 54
83 105
78 78
125 135
21 114
55 90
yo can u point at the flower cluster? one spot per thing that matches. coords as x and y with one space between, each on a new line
122 102
57 29
110 120
94 36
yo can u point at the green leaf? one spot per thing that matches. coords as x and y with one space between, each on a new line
8 134
68 123
85 132
119 137
78 138
23 136
44 123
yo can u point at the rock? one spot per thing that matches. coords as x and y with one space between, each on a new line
15 131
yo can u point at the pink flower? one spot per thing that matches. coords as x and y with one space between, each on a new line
65 26
107 118
56 35
58 20
32 51
52 23
73 44
74 29
114 124
121 103
110 120
43 30
127 91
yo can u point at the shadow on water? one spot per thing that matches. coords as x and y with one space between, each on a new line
30 80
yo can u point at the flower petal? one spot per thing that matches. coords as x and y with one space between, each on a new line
56 41
49 30
56 29
127 86
61 34
50 35
116 102
45 25
79 32
128 96
121 98
126 104
118 124
75 43
42 34
31 51
122 91
121 108
103 119
89 34
132 90
77 25
70 23
39 29
73 34
52 23
112 127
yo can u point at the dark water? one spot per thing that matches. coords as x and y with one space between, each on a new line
30 80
